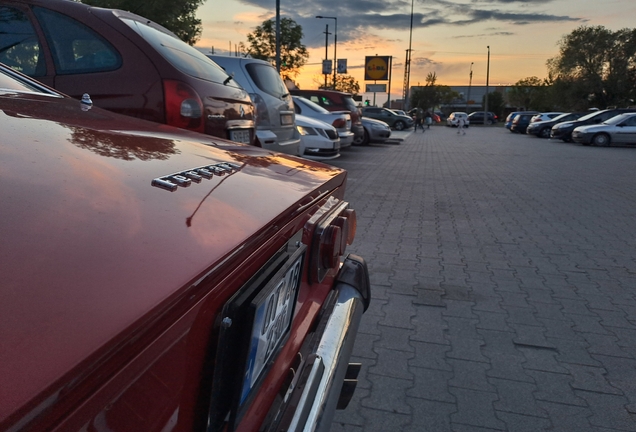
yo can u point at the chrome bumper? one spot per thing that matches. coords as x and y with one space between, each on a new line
313 396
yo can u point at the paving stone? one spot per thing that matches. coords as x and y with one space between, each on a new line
459 309
516 397
429 415
388 394
398 311
394 338
431 384
475 408
492 321
470 375
587 324
573 352
591 379
379 420
465 349
363 346
429 325
567 418
553 387
430 356
608 411
392 363
541 359
523 423
604 344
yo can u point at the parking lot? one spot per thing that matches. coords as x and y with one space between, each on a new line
503 271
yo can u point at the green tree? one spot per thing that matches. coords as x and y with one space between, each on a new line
178 16
426 97
496 102
344 83
597 66
293 54
530 93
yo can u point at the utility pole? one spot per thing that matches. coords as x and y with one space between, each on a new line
487 78
326 48
407 66
470 82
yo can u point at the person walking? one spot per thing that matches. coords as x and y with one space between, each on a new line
419 120
428 118
461 125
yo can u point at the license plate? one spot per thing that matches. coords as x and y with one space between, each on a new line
286 119
273 311
242 136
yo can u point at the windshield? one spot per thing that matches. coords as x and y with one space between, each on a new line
589 116
616 119
561 116
311 105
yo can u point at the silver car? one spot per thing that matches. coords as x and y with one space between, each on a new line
620 129
275 116
375 131
341 120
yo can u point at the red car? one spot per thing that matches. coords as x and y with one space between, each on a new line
126 63
332 100
155 279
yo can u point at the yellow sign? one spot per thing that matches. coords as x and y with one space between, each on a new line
376 68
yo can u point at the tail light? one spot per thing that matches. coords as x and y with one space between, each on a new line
262 114
339 123
184 108
335 230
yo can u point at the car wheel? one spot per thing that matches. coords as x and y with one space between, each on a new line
488 122
399 125
359 140
544 133
601 140
365 138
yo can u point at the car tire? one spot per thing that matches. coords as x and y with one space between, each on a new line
361 140
488 122
399 125
601 140
544 133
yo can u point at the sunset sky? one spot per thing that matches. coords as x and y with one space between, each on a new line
446 38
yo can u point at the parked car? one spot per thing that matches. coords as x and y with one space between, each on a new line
620 129
453 118
512 115
318 140
542 128
520 122
400 112
332 100
544 116
341 120
126 63
563 131
394 120
477 117
159 279
275 128
375 131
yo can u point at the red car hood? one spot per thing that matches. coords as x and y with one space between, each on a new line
88 245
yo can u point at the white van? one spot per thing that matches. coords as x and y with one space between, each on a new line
275 116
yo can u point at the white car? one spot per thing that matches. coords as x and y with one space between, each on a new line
620 129
546 116
341 120
453 118
318 140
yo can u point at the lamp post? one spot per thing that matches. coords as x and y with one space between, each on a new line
335 46
487 78
470 82
326 48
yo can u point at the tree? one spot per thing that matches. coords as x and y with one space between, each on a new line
427 97
597 66
531 93
496 102
293 54
344 83
178 16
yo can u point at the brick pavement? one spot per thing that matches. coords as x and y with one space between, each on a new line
503 271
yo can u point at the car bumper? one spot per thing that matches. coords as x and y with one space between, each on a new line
322 384
270 141
560 133
379 135
346 138
582 138
357 129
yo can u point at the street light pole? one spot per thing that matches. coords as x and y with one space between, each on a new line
278 36
487 78
335 47
470 82
326 48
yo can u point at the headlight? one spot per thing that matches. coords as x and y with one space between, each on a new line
303 130
379 126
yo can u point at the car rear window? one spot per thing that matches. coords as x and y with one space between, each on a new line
178 53
267 79
350 103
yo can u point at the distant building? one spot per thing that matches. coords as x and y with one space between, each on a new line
470 99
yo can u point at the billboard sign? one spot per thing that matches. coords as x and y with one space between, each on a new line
342 66
376 68
376 88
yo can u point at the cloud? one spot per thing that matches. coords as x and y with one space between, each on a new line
372 15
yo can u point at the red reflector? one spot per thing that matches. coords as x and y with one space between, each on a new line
343 224
330 241
184 108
